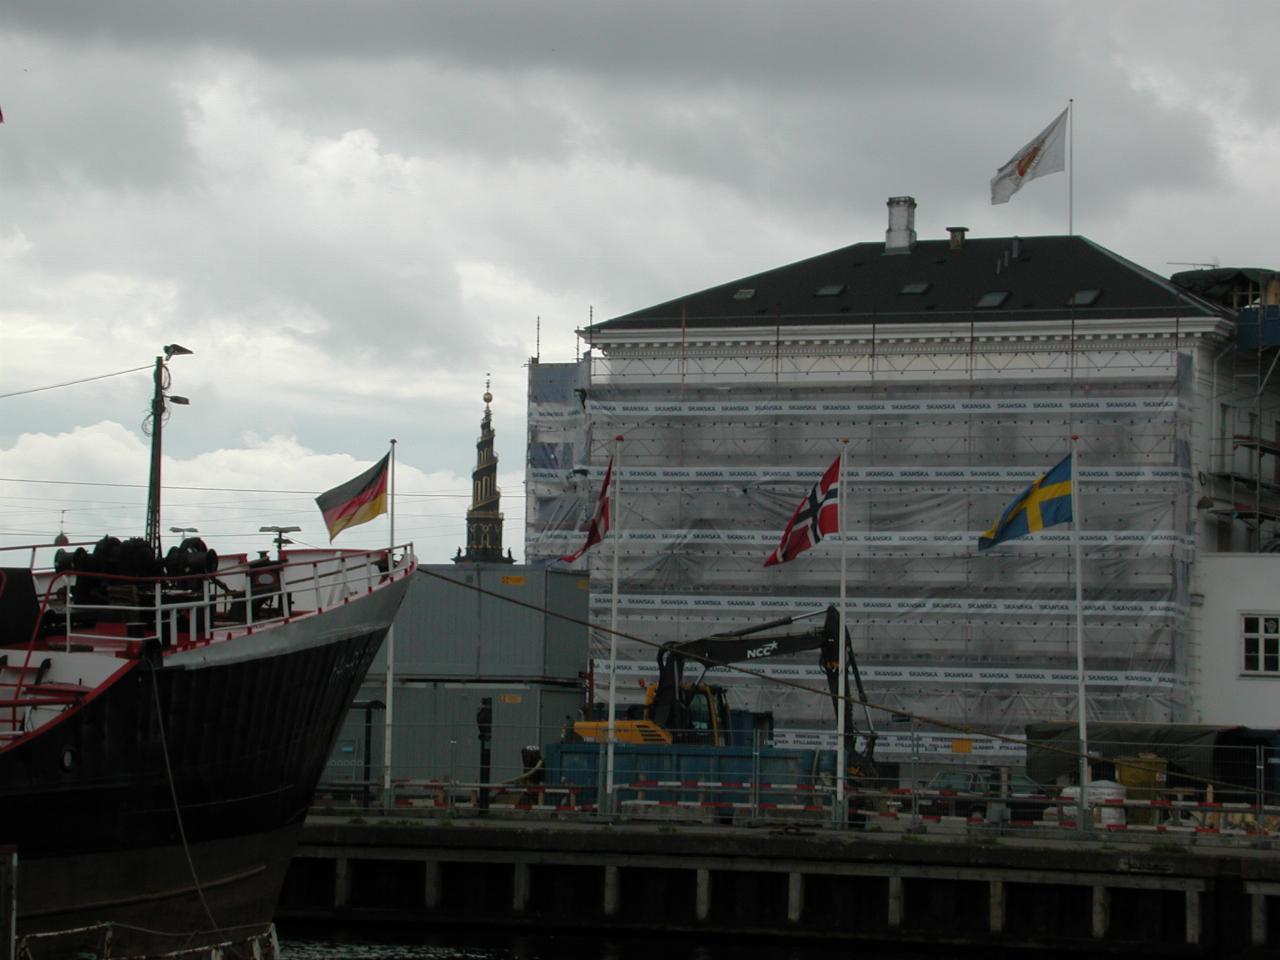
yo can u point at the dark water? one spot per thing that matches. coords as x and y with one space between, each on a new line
480 946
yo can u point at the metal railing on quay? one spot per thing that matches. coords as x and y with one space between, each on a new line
736 803
441 770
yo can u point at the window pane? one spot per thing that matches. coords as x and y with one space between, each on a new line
1251 624
700 712
1251 653
950 780
1271 663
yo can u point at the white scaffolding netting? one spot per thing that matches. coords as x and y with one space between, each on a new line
715 459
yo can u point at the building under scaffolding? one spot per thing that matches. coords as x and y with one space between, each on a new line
957 370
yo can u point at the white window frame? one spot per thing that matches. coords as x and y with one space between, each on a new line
1259 644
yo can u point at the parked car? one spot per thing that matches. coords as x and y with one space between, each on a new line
979 792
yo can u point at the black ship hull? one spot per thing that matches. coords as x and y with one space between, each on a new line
166 805
144 902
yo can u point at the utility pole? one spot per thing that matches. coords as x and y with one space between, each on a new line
155 419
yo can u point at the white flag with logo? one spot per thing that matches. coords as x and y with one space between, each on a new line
1047 153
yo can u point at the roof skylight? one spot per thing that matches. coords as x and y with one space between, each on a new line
914 289
745 293
1083 298
991 299
829 290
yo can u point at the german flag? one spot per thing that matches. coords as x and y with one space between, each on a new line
356 501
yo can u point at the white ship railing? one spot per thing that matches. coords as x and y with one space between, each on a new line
230 602
127 612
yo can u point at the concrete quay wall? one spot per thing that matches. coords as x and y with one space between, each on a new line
1056 897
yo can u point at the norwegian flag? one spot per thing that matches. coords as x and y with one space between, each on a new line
817 515
600 522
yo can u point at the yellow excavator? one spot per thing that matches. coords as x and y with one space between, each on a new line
679 711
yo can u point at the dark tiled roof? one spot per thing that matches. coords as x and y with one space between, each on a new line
863 284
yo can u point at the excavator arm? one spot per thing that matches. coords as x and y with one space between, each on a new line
669 706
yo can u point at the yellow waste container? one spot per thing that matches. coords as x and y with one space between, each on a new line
1144 775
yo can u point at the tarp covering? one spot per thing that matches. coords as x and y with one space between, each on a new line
720 446
1188 747
1258 327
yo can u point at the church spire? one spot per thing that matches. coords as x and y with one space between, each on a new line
484 518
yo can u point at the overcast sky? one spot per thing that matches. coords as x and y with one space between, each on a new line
355 212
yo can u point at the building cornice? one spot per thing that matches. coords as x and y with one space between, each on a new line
863 336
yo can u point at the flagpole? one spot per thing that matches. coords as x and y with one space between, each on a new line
1071 172
387 800
1081 719
615 516
841 758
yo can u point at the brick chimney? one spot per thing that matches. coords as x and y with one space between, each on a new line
901 235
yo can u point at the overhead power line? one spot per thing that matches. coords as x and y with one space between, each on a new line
72 383
171 486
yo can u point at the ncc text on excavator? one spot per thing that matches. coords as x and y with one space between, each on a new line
680 711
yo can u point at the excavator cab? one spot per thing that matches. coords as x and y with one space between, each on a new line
707 715
701 707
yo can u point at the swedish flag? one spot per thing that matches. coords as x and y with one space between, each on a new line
1043 504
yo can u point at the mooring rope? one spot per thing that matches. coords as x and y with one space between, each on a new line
173 792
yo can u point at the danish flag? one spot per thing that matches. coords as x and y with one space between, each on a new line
600 522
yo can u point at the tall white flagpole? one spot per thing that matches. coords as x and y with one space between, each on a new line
841 758
1081 705
1071 169
391 511
391 649
615 514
